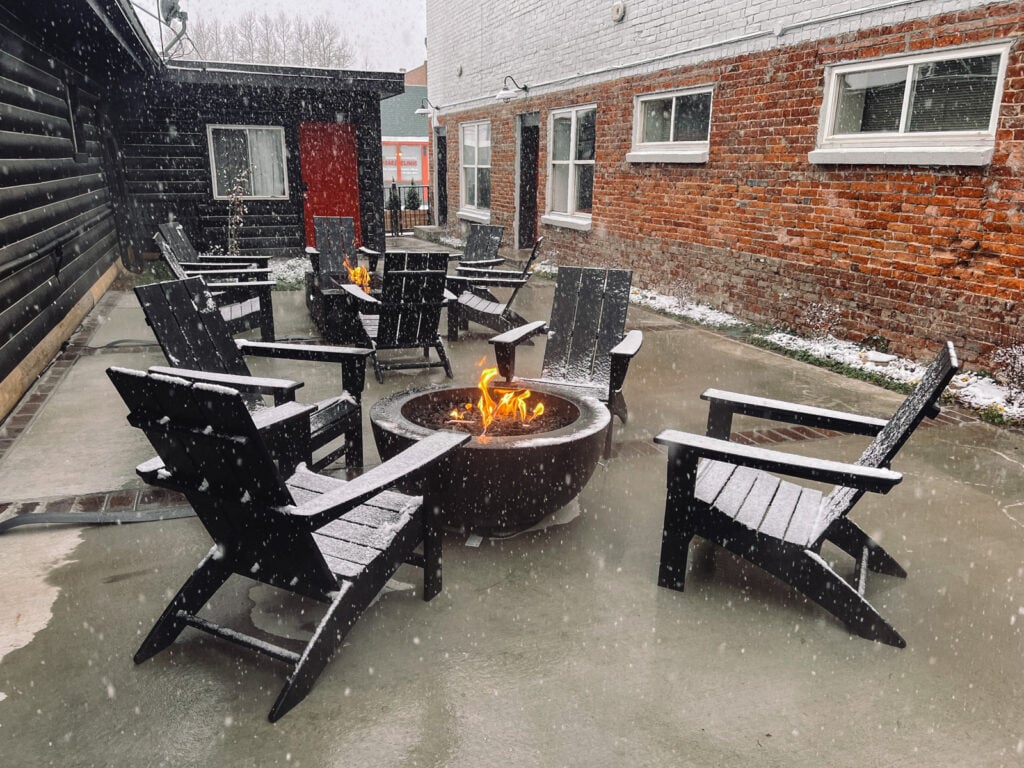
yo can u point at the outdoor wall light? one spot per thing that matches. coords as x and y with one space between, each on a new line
507 93
426 108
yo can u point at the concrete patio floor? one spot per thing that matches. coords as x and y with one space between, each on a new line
551 648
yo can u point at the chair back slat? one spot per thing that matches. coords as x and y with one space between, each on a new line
588 318
898 429
177 240
399 260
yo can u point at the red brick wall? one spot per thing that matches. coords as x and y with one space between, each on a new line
912 253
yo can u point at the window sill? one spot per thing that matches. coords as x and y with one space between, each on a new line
951 155
477 215
579 223
667 156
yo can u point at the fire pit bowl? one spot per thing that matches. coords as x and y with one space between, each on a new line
501 485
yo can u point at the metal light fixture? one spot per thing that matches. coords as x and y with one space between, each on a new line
426 108
507 93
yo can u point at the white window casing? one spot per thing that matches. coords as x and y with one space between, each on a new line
475 172
672 126
932 108
253 155
572 141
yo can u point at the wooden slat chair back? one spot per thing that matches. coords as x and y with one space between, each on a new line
334 541
732 496
335 241
415 260
588 318
482 245
193 336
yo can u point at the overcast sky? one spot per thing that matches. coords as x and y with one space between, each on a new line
386 35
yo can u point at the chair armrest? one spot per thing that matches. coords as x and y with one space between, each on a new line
353 291
210 266
473 271
283 390
480 263
725 404
244 288
311 251
804 467
460 282
505 346
219 271
622 354
414 459
372 257
246 259
351 359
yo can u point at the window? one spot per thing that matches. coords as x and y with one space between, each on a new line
251 156
475 154
937 108
671 127
571 176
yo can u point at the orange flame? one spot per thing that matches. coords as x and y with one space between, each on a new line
359 276
511 404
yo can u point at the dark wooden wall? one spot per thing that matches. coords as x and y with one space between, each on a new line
161 132
57 224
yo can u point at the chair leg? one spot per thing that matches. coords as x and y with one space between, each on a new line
849 537
432 539
675 550
677 531
266 316
378 369
439 346
814 578
354 447
208 577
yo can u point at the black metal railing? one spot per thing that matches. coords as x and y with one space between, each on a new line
407 206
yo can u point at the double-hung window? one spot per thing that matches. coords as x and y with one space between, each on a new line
249 158
570 193
671 127
475 156
935 108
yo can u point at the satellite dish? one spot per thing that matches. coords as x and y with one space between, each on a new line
170 10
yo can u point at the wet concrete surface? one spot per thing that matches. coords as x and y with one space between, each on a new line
552 648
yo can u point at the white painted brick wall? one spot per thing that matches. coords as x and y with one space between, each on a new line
548 43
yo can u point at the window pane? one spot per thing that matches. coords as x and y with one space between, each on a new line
483 188
584 188
230 159
469 186
483 145
469 145
657 120
693 117
562 138
267 157
585 122
954 95
560 188
870 101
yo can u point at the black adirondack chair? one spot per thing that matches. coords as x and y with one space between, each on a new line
475 300
334 541
726 493
482 244
181 245
335 243
588 350
195 339
242 292
406 316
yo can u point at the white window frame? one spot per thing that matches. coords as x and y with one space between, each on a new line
668 151
970 148
573 219
210 128
469 211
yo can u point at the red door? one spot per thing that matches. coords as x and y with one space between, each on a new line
327 157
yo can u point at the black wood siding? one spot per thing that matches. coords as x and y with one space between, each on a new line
162 136
57 230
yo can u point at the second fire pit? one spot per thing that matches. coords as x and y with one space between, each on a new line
501 485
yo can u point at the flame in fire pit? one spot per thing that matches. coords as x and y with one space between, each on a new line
359 276
511 405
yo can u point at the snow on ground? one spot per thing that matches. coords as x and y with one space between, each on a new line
290 273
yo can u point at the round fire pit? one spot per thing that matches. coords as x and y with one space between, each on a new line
500 485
